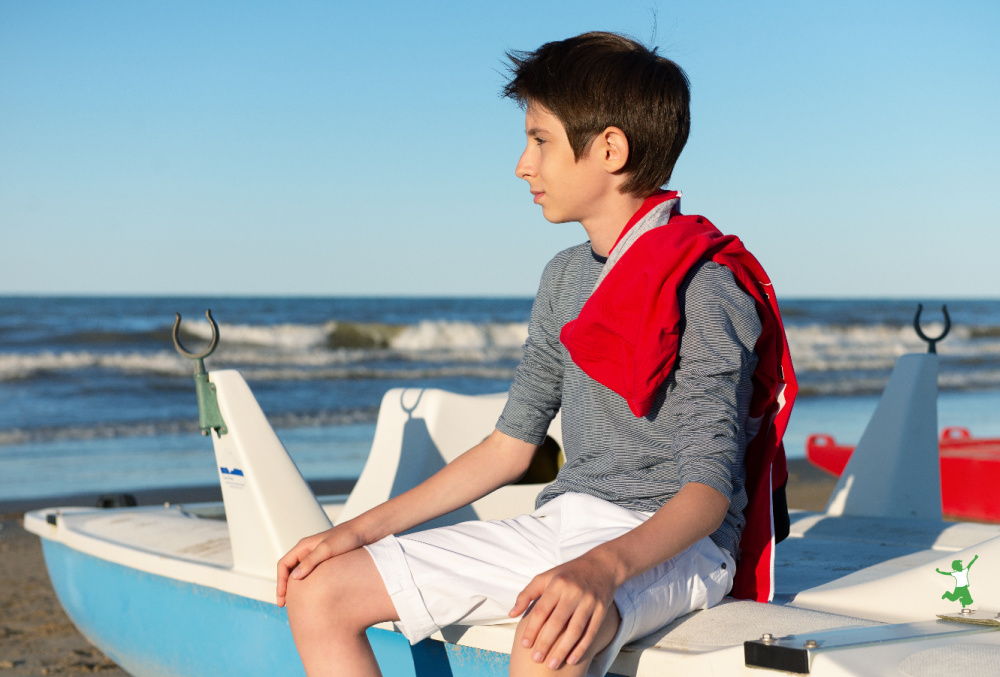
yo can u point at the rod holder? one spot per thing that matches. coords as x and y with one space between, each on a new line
931 342
209 415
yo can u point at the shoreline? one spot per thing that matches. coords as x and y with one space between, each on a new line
156 496
36 636
806 491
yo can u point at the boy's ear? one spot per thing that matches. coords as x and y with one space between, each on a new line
613 146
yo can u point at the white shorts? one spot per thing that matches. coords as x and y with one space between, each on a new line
471 573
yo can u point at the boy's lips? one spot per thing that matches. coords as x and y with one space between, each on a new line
538 195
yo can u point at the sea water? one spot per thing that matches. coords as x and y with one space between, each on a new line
93 397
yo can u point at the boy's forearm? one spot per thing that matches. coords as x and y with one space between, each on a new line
495 462
694 512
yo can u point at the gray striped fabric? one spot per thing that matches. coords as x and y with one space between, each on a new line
696 430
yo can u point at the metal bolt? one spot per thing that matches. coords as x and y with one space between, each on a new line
966 612
811 644
767 637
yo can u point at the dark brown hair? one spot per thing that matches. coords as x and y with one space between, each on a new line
600 80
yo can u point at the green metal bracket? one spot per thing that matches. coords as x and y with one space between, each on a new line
209 415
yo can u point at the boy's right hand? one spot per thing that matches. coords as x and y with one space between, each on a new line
308 553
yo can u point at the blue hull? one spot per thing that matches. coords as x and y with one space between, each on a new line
158 627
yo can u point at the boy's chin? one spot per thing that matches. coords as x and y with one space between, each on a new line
555 217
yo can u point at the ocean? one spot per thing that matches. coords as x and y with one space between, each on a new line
94 399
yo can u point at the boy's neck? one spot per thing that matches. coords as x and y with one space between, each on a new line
604 227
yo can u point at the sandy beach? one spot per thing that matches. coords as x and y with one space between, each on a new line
36 637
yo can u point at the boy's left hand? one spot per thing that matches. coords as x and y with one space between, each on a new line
571 602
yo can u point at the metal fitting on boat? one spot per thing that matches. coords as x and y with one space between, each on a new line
811 644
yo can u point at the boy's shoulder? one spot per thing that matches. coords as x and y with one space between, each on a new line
558 264
569 254
580 253
710 298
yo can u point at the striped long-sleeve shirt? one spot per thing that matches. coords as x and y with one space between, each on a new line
696 430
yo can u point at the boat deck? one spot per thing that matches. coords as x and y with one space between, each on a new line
191 543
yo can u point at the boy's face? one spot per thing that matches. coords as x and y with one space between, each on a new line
567 189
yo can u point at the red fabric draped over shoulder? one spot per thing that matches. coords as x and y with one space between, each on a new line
626 338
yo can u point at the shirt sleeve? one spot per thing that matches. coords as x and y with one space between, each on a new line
536 392
712 382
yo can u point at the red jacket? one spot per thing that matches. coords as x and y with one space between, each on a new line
626 338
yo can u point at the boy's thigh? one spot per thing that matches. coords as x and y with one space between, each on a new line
471 573
468 574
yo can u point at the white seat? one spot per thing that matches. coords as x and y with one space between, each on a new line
418 432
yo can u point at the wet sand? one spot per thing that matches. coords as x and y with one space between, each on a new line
36 637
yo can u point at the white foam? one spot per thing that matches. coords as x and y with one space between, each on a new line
283 336
824 348
841 359
15 366
438 335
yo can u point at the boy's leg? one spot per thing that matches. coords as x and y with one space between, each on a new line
330 610
522 665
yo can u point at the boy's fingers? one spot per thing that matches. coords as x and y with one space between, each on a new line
537 619
548 636
572 634
319 554
564 627
285 565
593 626
291 561
526 597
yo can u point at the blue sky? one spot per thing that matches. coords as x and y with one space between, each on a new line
342 148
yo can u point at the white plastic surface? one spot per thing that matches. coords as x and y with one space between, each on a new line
895 470
914 593
269 507
419 431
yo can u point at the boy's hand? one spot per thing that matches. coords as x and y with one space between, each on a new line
310 552
571 602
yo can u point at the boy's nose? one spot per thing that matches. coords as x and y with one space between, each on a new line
524 168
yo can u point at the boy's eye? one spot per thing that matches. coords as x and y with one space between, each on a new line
539 141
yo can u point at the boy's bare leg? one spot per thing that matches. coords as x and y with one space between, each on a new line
329 611
521 664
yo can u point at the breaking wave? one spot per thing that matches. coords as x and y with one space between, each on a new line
829 359
428 335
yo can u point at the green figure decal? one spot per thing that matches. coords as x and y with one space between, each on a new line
961 591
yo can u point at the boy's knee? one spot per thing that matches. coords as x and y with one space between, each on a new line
299 592
344 591
522 664
325 588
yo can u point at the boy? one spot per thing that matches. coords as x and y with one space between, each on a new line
665 354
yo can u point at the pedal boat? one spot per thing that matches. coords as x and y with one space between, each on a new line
970 470
188 590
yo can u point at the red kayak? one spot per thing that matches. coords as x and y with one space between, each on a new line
970 471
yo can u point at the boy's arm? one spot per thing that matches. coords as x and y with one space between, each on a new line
496 461
573 598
